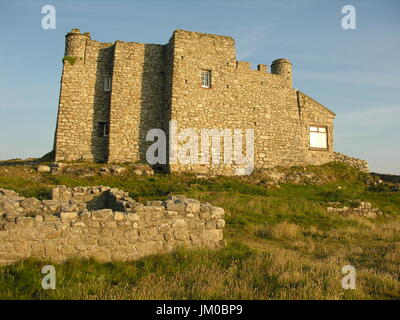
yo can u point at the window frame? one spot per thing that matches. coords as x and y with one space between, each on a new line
103 129
208 72
318 126
107 84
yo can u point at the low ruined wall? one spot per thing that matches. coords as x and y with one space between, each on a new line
355 162
364 209
102 223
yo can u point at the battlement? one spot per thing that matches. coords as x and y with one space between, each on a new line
77 32
206 36
76 43
225 45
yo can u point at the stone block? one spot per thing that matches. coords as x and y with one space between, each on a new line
31 204
179 223
109 224
43 168
220 224
371 215
176 205
212 235
149 247
119 216
25 222
217 212
68 215
101 254
210 224
132 216
181 235
103 214
53 235
193 206
22 247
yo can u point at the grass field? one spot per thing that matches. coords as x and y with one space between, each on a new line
281 242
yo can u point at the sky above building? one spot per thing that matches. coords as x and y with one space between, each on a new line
354 72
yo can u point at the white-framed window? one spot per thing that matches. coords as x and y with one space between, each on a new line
103 129
107 84
205 78
318 137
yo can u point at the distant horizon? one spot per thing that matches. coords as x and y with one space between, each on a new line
355 73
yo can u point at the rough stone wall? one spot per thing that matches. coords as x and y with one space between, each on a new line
242 98
313 113
102 223
83 102
355 162
363 209
137 99
168 86
153 84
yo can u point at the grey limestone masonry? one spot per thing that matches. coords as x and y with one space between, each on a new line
112 94
104 224
355 162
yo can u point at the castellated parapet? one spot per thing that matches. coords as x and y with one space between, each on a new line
112 94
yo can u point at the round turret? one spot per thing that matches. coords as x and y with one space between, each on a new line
75 43
283 67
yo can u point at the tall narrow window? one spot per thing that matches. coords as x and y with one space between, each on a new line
107 84
102 129
318 137
205 78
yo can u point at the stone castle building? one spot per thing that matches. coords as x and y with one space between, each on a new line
112 94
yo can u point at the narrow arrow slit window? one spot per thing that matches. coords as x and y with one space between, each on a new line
103 129
107 84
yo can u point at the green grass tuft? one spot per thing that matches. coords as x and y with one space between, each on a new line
70 59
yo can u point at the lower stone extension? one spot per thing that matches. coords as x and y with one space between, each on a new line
354 162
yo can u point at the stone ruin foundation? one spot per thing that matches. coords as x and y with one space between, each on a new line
363 209
103 223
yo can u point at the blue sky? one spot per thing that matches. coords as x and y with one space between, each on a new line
356 73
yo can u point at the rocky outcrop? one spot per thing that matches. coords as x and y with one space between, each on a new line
43 168
354 162
83 169
103 223
298 175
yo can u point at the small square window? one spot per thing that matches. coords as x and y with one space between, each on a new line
318 137
206 79
103 129
107 84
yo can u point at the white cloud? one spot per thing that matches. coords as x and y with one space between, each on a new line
354 78
381 117
248 40
377 122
